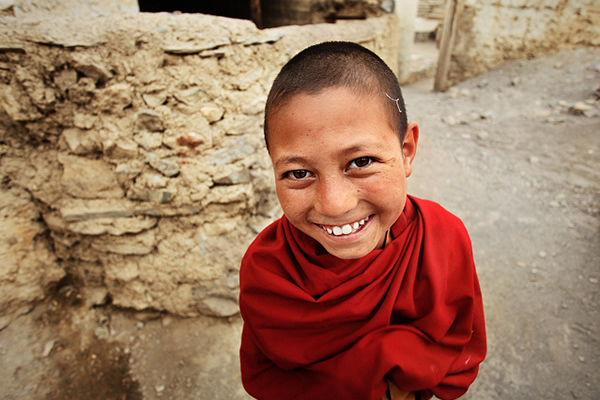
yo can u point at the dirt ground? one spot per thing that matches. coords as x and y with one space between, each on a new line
507 152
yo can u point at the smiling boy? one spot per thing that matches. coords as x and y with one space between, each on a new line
359 291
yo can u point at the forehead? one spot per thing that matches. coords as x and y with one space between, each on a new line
350 103
333 121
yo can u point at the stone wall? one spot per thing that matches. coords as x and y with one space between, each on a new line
491 32
431 9
41 9
132 162
302 12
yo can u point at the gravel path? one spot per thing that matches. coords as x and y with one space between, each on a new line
509 153
515 153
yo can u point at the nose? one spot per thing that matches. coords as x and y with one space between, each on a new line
335 197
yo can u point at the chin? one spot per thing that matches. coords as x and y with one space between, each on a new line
350 254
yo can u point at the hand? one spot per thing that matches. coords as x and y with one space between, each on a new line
397 394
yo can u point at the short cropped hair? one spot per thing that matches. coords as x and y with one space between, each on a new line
338 64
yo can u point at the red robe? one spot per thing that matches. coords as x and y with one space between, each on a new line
319 327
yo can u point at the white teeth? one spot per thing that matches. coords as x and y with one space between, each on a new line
346 229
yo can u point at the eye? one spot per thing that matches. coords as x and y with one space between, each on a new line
297 174
361 162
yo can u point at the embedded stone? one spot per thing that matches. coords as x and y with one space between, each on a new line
156 196
138 194
170 142
117 97
220 227
239 149
212 113
254 107
112 226
234 178
81 142
125 172
122 149
155 99
95 296
83 92
16 104
48 348
149 121
149 140
88 179
195 48
79 210
264 36
228 194
126 271
84 121
65 78
141 244
160 196
241 125
43 98
92 69
218 306
189 96
168 168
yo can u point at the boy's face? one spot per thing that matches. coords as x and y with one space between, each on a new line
340 170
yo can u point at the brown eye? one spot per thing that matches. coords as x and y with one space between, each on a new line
300 173
361 162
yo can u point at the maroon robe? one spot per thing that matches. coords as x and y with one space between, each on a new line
319 327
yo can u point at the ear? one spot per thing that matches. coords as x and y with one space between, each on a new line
409 147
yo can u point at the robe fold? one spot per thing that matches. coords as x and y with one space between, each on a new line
319 327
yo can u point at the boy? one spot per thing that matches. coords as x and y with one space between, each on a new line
359 291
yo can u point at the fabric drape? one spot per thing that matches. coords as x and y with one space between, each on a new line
319 327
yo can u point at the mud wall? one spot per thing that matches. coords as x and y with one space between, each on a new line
301 12
491 32
45 8
132 161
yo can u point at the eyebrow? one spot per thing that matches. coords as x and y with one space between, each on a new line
359 148
289 160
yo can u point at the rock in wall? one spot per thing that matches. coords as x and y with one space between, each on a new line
132 158
491 32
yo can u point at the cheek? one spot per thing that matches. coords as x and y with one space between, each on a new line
389 192
292 201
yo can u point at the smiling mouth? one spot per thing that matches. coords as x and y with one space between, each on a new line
346 229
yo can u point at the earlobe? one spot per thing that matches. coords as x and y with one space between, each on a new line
409 147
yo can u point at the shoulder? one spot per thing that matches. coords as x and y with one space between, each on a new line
269 244
439 222
446 249
434 212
